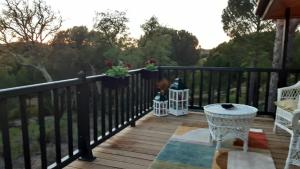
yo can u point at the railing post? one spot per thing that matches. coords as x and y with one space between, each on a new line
159 73
83 119
282 78
4 128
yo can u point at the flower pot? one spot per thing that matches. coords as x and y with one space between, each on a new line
147 74
115 82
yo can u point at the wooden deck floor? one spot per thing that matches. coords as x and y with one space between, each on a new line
136 148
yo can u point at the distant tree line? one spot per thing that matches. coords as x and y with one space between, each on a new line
34 49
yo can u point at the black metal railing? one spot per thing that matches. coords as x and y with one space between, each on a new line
225 84
55 123
51 124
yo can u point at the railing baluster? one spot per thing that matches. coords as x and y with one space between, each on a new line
209 87
145 91
57 127
136 99
256 101
25 135
184 76
41 118
267 92
149 94
201 89
140 96
133 98
103 112
247 87
238 88
296 77
144 95
219 87
228 88
70 121
193 88
117 108
95 112
110 111
122 106
5 134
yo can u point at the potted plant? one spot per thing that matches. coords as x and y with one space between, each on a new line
150 71
116 76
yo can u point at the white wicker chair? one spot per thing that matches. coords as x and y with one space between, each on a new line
289 121
294 148
284 117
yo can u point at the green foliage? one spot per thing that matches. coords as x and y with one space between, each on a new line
243 51
117 71
239 19
111 24
181 47
152 25
151 67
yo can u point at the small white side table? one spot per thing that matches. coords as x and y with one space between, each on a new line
229 123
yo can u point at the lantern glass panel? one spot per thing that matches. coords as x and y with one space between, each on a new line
180 96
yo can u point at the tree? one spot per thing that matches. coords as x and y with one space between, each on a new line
151 25
183 46
112 24
239 19
26 26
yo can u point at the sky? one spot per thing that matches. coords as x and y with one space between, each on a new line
201 18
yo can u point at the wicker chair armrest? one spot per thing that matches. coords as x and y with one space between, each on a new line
296 118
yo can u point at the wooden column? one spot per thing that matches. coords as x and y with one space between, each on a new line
282 75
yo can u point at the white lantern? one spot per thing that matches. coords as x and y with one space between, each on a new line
178 98
160 105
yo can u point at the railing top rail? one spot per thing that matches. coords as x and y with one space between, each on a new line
35 88
226 69
27 89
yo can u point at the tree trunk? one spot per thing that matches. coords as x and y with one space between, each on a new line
93 70
277 57
45 73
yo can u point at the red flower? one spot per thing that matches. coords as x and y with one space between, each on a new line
108 63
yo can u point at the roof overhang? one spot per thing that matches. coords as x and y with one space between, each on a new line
275 9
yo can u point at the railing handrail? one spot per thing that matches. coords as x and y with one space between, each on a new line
226 68
34 88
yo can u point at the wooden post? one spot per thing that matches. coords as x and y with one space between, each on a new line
282 74
83 119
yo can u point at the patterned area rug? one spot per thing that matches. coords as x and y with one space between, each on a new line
189 148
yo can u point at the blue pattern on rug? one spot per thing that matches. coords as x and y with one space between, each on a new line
187 153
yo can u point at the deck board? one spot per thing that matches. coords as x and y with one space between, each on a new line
136 147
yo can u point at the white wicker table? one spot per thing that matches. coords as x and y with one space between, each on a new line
229 123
